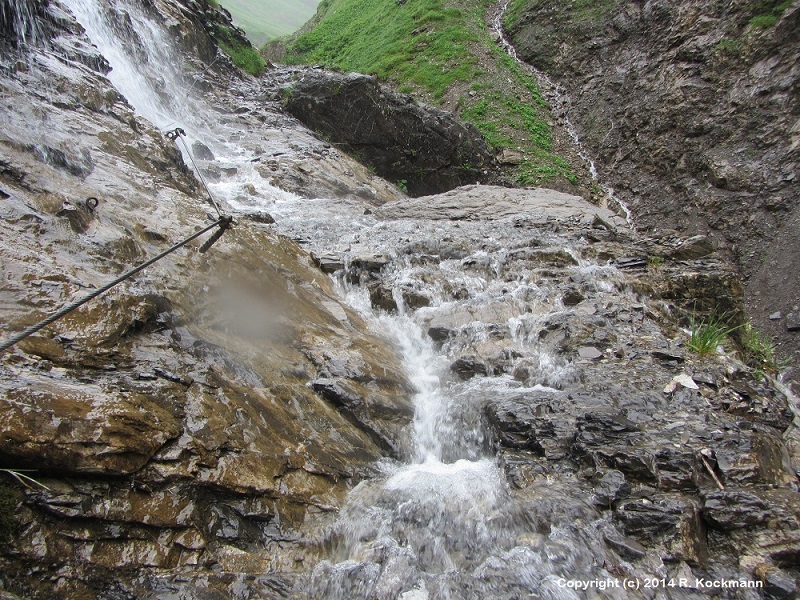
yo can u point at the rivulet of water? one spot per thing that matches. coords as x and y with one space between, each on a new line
20 19
559 100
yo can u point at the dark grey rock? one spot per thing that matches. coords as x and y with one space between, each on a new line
328 263
374 419
467 367
611 488
779 585
572 297
369 262
414 299
705 378
201 152
260 217
76 162
734 509
671 520
589 352
429 149
439 334
668 356
79 218
625 547
173 377
693 248
527 423
381 297
644 519
793 321
631 263
212 173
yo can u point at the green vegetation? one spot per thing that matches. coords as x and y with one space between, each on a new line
767 13
421 42
757 349
264 20
708 333
243 56
728 47
655 262
514 12
441 51
759 352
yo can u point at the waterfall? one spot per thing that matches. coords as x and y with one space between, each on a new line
145 69
142 59
443 522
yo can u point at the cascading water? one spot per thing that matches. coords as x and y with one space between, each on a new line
144 72
20 21
145 68
444 523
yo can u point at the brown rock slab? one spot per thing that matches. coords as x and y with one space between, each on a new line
53 424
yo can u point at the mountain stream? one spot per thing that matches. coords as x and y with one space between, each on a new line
468 306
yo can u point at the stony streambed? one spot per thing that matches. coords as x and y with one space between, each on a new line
483 393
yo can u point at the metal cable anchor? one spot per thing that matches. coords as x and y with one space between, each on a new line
174 134
225 222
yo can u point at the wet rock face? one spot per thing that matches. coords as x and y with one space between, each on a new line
692 112
82 428
172 422
19 21
426 148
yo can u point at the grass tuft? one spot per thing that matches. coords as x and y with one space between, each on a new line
759 352
768 12
708 333
243 56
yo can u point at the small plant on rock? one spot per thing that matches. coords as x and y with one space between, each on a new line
708 333
655 262
759 352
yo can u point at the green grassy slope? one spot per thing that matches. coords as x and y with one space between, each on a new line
264 20
442 52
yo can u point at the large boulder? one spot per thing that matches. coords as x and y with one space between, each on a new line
476 202
422 148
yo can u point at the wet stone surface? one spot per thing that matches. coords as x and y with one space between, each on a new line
406 412
572 392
